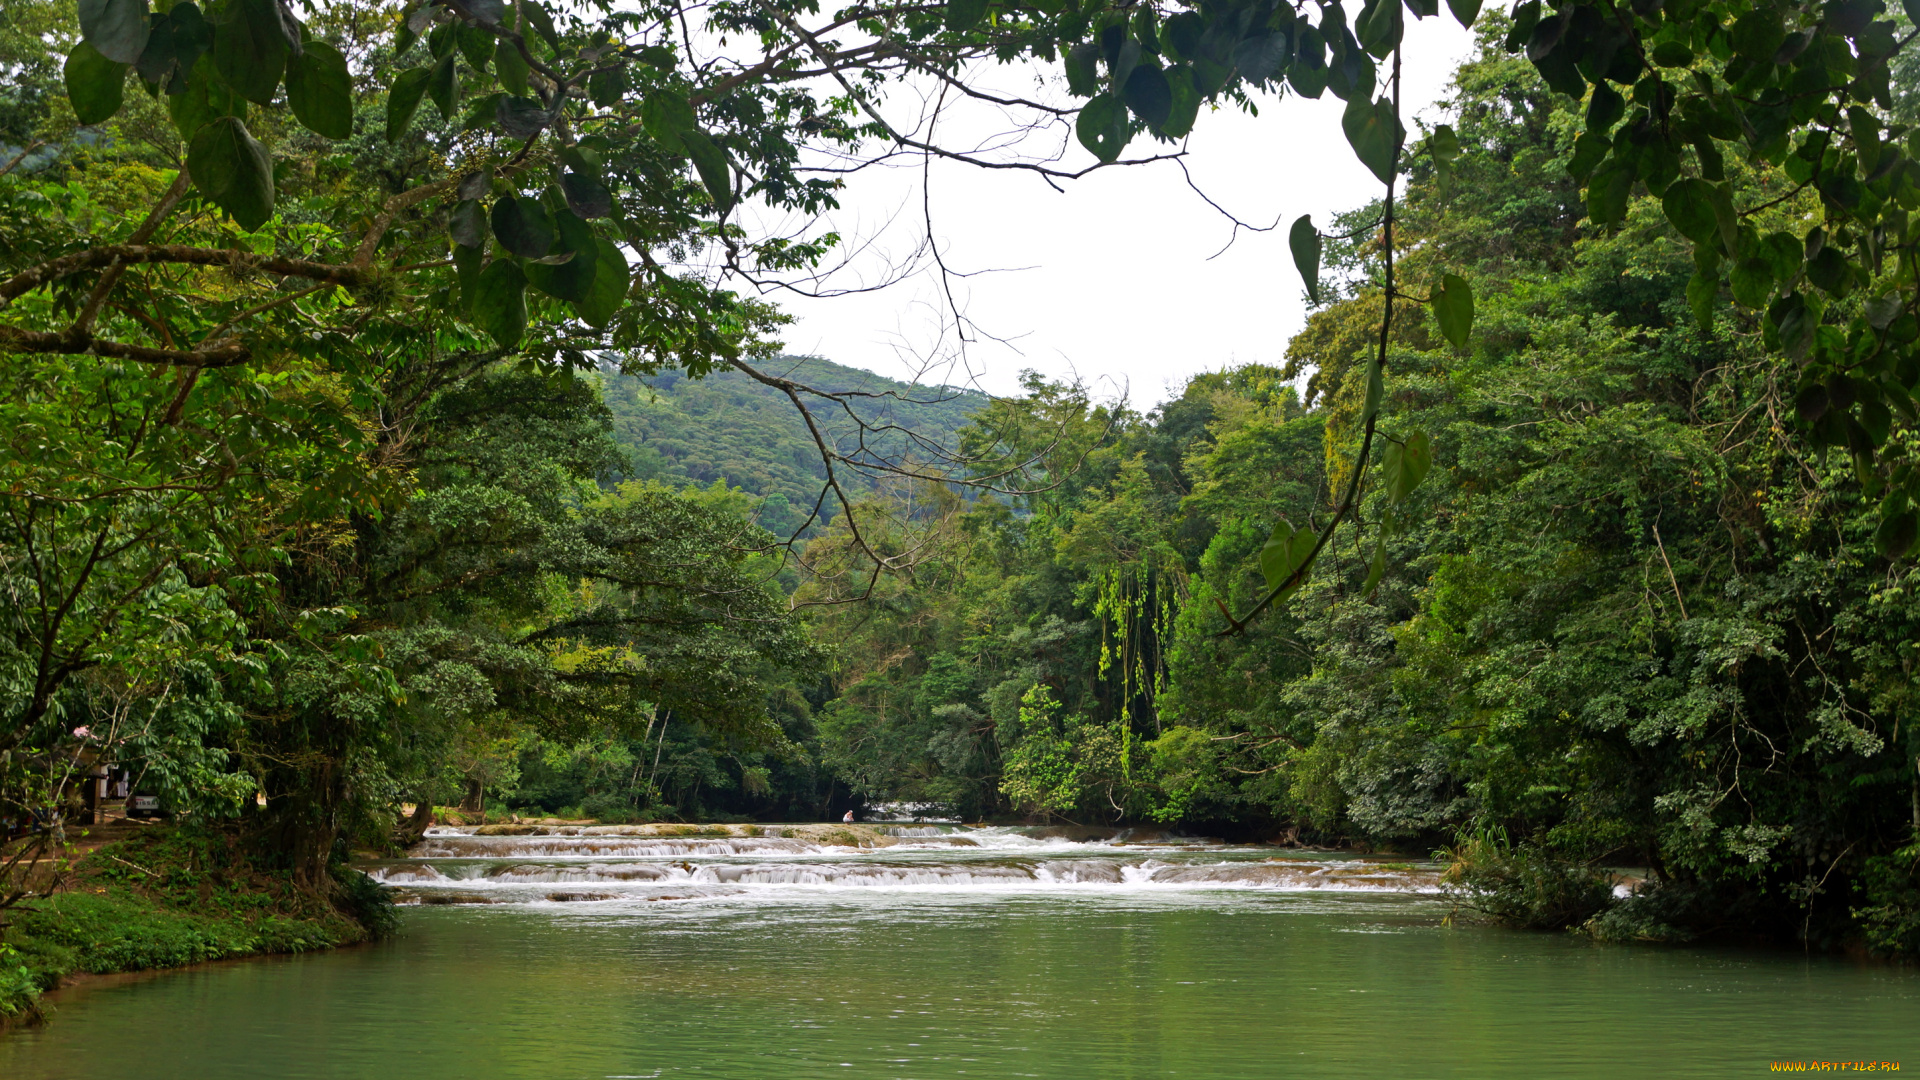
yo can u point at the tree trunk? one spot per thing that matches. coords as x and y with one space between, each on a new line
412 829
470 803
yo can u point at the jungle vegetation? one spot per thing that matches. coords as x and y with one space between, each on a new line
1576 531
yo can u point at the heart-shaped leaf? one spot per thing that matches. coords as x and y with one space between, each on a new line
95 85
1149 94
233 170
117 29
1689 205
1375 134
500 302
609 290
586 195
1102 127
321 91
250 49
1466 11
523 227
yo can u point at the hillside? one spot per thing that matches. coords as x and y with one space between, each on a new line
727 426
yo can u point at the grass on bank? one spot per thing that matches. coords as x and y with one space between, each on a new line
168 897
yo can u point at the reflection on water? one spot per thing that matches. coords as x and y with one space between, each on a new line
992 963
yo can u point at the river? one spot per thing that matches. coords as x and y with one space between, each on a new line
978 953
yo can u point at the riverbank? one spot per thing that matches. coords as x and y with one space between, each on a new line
165 898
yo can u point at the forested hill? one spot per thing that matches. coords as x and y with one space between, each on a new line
727 426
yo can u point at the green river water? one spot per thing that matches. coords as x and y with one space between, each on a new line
1003 960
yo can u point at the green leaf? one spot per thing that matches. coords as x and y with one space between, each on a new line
117 29
1702 289
1465 10
466 265
476 43
523 226
1897 533
203 99
157 60
1083 72
233 170
1609 189
1375 134
963 15
1752 281
609 290
1672 54
500 302
536 17
1405 465
467 225
1419 458
1376 388
1830 271
1304 240
586 195
1186 103
1758 34
1589 150
1376 568
443 86
1444 145
1276 553
511 68
1102 127
1453 309
668 118
606 88
403 100
1605 107
250 49
710 161
1149 94
1689 205
521 118
570 280
321 91
1285 551
1379 27
95 85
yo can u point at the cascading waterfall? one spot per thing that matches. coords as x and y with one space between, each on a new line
524 864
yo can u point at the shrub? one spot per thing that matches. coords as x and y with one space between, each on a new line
1523 885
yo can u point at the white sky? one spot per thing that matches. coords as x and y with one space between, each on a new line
1111 279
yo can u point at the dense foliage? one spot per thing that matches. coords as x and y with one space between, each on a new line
1586 542
728 427
1626 622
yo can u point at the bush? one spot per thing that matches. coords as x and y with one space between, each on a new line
1891 918
1524 886
1657 913
367 902
19 990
